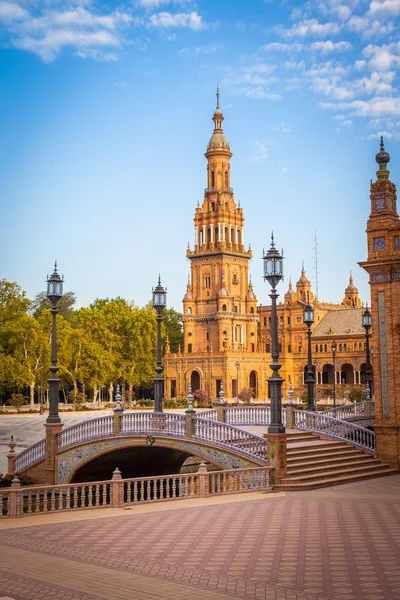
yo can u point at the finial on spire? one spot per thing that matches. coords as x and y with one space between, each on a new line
217 96
55 266
272 240
382 144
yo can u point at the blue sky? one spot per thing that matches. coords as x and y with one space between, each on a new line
105 115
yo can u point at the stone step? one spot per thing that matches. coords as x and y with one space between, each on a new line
328 474
328 453
314 449
339 466
342 459
335 480
299 437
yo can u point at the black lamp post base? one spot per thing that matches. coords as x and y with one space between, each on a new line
276 429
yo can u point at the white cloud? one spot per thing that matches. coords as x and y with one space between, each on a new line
359 65
292 64
385 8
9 11
383 58
373 107
49 45
279 47
329 46
154 4
282 128
309 28
261 152
191 20
199 50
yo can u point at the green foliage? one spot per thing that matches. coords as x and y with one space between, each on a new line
172 328
357 395
17 401
5 480
65 305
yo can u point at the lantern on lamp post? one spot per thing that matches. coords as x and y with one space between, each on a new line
273 273
159 303
308 319
367 324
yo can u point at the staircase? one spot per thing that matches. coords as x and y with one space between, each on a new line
314 462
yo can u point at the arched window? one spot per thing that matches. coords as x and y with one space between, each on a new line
212 179
216 234
226 178
316 347
232 236
189 310
226 234
201 241
239 237
224 307
340 347
209 235
253 382
325 348
320 347
252 310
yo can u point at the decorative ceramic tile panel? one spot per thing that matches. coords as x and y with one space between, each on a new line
390 203
380 203
380 277
383 355
379 244
396 275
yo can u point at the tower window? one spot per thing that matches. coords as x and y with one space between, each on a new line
288 320
189 310
235 309
212 179
224 307
396 243
289 348
207 281
316 347
265 321
226 178
267 347
253 348
252 310
190 347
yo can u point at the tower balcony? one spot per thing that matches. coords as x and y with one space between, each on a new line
215 189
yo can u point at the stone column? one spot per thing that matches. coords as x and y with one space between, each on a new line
118 412
16 508
203 480
11 455
276 455
52 431
117 489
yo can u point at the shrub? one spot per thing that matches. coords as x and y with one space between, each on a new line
246 394
357 395
17 401
5 480
201 397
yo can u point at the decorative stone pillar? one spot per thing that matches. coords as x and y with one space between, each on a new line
203 480
16 508
189 414
11 455
221 407
290 420
51 440
117 489
276 455
118 412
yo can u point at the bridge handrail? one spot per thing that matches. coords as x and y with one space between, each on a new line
230 436
150 422
30 456
211 414
248 415
86 430
366 408
335 428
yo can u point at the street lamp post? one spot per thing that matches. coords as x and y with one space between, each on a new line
308 318
367 323
273 273
334 348
54 294
159 303
237 365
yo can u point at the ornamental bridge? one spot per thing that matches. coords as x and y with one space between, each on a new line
150 443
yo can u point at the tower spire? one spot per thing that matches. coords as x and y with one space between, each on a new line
382 158
217 96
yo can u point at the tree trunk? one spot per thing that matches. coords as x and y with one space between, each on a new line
111 392
130 392
32 392
95 392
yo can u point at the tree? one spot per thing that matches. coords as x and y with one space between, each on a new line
65 305
173 328
246 394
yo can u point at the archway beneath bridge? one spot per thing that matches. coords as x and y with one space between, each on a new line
134 461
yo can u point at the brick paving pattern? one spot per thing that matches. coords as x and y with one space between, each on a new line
340 543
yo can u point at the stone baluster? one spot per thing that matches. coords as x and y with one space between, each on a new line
118 412
290 409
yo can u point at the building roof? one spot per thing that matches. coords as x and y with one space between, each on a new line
341 321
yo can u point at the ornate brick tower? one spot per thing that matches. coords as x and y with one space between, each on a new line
219 308
383 266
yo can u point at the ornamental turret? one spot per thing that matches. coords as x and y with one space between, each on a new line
351 294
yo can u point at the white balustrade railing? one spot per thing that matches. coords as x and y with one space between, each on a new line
30 456
146 422
87 430
164 487
336 428
248 415
230 436
211 414
358 409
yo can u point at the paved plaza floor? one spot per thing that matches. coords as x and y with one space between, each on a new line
339 543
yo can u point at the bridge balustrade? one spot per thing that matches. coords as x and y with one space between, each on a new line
221 433
87 430
248 415
30 456
336 428
171 423
358 409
